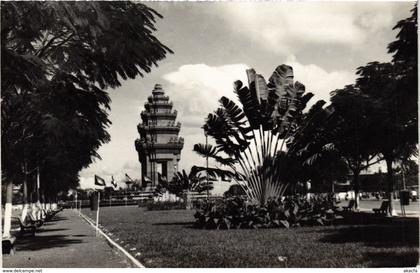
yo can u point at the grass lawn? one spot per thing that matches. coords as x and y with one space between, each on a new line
168 239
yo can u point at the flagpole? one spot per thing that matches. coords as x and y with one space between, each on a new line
97 213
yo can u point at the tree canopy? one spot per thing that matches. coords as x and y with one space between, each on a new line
58 59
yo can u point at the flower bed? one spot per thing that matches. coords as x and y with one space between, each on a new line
166 205
235 212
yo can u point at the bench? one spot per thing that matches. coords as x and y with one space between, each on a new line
26 228
8 245
350 206
50 214
37 223
383 209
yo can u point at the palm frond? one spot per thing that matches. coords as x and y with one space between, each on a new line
250 106
212 152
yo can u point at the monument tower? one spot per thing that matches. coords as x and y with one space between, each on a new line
159 147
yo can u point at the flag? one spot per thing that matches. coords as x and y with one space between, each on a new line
99 181
113 182
129 178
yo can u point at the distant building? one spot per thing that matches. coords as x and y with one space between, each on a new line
159 147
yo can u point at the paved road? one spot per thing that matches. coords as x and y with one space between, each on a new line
367 205
66 241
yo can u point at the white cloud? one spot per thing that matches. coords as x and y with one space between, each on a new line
114 164
319 81
285 27
196 88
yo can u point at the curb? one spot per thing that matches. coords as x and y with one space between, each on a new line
114 244
409 213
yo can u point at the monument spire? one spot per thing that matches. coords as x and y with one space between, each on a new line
159 147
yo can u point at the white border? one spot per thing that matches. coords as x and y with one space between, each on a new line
120 248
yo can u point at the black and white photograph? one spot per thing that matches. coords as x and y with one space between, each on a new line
209 134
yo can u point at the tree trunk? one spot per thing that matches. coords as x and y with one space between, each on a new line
37 207
25 194
54 205
356 187
187 200
8 209
390 186
43 205
48 203
33 204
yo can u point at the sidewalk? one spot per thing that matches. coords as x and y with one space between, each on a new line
408 213
413 210
66 241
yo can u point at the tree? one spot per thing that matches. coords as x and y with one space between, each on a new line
405 50
392 90
396 127
195 180
57 61
249 138
405 55
326 170
182 183
356 137
407 169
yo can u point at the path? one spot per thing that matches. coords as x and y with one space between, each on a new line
66 241
412 210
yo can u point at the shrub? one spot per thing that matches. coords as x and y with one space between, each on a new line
166 205
235 212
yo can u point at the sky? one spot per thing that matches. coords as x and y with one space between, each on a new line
213 45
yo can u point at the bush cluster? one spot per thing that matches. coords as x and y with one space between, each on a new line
166 205
294 211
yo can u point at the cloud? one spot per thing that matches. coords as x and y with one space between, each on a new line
319 81
286 27
196 88
113 165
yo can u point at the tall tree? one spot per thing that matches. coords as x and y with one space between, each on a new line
405 54
396 127
57 61
391 90
326 170
356 137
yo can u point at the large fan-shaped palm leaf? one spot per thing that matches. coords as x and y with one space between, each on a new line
252 135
